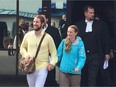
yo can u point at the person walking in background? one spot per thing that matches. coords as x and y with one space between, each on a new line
10 47
63 26
22 30
53 24
71 55
28 49
57 39
31 26
51 30
95 37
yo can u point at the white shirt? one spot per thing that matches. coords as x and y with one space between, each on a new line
45 27
89 26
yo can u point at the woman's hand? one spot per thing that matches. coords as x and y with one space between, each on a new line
76 70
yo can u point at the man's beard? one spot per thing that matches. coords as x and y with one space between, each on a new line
92 18
37 29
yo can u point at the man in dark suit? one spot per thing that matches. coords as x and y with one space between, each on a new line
95 36
50 81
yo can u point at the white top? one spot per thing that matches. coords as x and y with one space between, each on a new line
89 26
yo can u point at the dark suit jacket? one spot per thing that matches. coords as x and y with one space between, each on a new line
55 35
50 81
100 33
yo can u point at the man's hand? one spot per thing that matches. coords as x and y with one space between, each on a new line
26 60
50 67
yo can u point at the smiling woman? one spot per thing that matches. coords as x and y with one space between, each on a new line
71 55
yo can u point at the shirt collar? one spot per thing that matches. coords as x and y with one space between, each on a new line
45 27
76 42
88 21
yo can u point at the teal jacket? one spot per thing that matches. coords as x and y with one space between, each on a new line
75 58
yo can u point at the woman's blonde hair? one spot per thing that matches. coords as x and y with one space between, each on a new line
68 41
68 44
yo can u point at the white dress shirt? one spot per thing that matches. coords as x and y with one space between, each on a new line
89 26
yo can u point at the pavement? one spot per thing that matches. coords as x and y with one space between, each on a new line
8 76
13 81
